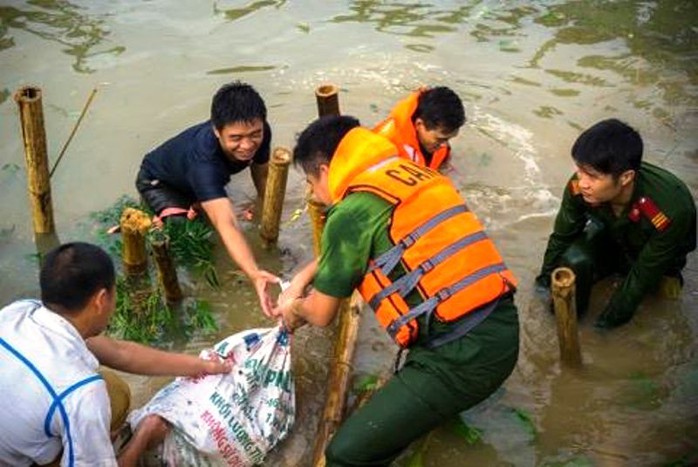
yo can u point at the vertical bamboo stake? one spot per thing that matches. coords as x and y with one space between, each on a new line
167 272
31 116
338 380
563 291
134 226
327 96
274 194
349 316
317 218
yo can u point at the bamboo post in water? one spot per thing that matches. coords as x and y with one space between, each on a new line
274 194
167 272
31 116
316 211
134 226
349 316
563 292
327 97
340 372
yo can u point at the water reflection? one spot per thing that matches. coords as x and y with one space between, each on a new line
232 14
414 20
662 32
61 22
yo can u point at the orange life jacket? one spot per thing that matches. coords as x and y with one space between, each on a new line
399 129
442 246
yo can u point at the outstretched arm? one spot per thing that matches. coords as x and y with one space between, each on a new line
139 359
220 212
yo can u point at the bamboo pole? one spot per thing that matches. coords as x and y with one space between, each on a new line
74 130
31 116
340 372
563 291
167 272
134 226
317 218
327 97
274 195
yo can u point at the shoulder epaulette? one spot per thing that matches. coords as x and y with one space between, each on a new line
574 187
646 207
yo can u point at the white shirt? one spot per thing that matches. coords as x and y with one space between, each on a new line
58 352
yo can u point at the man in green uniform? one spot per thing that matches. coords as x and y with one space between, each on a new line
451 365
620 215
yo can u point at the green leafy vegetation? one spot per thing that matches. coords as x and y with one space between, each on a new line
142 315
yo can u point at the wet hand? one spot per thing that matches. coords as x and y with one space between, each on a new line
217 367
261 283
294 289
289 318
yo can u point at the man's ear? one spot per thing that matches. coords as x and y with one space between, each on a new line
627 177
101 300
215 131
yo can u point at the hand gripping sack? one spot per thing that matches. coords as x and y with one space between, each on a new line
232 419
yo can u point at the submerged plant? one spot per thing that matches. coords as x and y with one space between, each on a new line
142 314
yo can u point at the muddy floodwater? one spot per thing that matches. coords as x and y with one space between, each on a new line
532 75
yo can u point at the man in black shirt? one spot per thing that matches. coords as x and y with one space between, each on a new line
191 170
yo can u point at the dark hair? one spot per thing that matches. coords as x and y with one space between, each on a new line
610 147
72 273
236 102
440 107
318 142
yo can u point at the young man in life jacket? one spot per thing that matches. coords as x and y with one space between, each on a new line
56 405
402 235
192 169
422 124
620 215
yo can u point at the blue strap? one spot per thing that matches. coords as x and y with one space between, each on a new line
51 391
61 396
388 260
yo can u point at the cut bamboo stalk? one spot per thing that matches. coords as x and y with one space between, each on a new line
134 226
317 218
563 292
340 372
327 97
167 272
274 195
31 116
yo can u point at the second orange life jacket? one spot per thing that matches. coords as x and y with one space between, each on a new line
399 128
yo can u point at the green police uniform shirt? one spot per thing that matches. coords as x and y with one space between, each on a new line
652 245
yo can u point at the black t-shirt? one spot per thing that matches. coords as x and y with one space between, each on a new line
194 163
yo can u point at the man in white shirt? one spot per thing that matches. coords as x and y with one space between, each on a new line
53 402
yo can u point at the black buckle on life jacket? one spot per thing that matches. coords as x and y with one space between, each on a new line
443 294
427 266
409 240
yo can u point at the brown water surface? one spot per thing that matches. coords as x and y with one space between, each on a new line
531 74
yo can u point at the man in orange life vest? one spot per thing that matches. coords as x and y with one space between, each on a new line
402 235
422 124
620 215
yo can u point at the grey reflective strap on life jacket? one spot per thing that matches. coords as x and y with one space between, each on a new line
464 325
428 306
406 283
388 260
